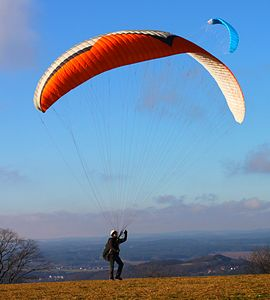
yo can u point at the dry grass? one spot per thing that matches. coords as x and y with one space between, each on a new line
220 287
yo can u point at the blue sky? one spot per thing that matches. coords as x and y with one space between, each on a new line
35 182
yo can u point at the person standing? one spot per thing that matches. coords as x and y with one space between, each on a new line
113 251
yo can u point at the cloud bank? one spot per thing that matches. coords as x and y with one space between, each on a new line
169 214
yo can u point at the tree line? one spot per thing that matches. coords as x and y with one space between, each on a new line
20 258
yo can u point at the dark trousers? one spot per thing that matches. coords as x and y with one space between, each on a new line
117 259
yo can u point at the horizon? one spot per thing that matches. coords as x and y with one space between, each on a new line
166 235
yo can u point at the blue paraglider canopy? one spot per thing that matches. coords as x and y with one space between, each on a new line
234 37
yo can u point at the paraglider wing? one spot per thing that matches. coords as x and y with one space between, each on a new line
113 50
234 37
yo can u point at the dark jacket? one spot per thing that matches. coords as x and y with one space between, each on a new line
114 244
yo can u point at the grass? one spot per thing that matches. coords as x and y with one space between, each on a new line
218 287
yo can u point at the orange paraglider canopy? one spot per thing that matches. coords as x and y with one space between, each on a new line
113 50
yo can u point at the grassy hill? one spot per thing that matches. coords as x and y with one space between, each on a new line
215 287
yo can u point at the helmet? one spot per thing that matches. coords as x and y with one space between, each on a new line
113 232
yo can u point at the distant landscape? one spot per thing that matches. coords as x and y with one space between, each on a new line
174 254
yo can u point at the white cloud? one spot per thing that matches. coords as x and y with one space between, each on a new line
17 35
253 203
10 176
255 162
258 161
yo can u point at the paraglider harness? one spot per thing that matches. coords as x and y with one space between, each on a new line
107 251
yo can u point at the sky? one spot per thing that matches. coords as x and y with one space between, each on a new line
224 182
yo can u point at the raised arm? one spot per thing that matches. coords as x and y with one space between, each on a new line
124 238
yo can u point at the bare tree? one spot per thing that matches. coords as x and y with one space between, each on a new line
260 260
19 258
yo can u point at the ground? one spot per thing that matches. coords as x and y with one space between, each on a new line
216 287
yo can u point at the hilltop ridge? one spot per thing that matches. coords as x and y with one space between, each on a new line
199 288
